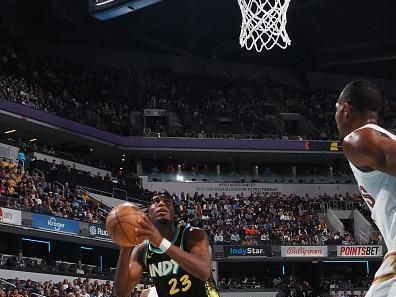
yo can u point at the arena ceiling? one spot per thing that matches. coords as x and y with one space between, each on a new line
355 36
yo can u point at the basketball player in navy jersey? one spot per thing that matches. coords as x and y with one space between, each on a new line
371 152
177 257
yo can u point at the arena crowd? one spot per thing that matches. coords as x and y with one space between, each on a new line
248 220
201 105
77 288
32 192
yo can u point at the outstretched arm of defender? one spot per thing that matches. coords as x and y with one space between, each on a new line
129 271
197 262
369 149
145 293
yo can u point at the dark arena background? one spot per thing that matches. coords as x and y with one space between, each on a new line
103 102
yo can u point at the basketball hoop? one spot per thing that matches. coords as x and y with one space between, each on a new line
264 24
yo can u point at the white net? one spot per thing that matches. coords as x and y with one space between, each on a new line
264 24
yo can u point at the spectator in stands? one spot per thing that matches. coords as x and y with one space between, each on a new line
79 270
54 87
85 288
33 193
218 238
29 284
235 238
276 281
278 219
21 158
18 283
84 293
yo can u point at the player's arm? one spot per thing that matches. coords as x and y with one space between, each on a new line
129 271
197 262
369 149
145 293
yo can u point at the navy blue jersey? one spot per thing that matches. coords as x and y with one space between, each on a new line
168 277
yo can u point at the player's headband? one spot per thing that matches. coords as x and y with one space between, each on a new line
161 195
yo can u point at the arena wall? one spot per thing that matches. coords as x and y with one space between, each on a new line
248 294
78 166
42 277
247 188
8 151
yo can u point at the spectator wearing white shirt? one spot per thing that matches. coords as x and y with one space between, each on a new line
75 285
265 237
84 293
79 270
218 238
235 237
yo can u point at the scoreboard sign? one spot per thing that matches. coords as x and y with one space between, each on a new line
359 251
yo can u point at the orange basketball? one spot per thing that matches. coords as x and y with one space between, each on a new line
121 222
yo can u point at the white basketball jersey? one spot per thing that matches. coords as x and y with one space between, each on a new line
378 190
153 292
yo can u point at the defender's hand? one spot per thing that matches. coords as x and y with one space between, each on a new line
147 230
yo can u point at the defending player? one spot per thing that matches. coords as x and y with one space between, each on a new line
151 292
177 257
371 151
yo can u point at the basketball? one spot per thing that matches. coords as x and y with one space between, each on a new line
121 222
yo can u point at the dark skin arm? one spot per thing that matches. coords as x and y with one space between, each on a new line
370 150
197 262
129 271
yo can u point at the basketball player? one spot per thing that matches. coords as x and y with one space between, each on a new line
150 292
371 151
177 257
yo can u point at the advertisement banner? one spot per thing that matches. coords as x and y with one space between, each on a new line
10 216
304 251
359 251
55 224
98 231
332 146
247 251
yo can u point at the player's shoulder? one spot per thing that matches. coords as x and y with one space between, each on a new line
361 140
139 248
139 251
193 234
191 229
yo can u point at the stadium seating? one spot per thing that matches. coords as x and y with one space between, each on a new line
288 284
198 105
32 192
76 288
254 220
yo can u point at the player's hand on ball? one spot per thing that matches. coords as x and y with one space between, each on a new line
121 222
145 229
